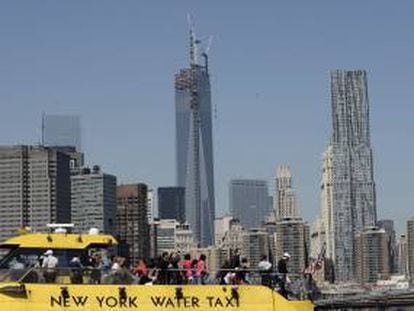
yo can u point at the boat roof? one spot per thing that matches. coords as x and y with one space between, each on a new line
59 241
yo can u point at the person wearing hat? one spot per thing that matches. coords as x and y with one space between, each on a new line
49 264
283 271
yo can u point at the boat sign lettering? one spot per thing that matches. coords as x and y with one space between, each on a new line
191 302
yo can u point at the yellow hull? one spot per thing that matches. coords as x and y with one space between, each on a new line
41 297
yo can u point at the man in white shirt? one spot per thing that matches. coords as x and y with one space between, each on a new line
265 268
49 264
264 264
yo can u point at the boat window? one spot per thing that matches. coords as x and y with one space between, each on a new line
29 257
4 253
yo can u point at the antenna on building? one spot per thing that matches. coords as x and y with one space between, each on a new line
193 41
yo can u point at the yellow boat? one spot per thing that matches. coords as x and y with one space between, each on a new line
22 288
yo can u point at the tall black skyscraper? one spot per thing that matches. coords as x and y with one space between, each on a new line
171 203
194 144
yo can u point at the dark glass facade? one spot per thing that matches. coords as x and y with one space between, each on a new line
171 203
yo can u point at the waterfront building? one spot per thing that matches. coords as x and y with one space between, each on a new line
194 144
249 201
34 188
93 199
171 203
372 255
132 221
292 236
286 202
348 188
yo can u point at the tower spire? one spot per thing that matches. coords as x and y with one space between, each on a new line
193 41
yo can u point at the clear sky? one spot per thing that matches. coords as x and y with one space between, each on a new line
113 63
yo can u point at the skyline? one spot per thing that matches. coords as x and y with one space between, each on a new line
72 68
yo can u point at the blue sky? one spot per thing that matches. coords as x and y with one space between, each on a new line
113 62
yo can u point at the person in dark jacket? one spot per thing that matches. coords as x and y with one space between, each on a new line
162 266
282 269
76 275
235 259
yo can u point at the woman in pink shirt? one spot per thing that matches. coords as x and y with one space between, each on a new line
201 271
186 265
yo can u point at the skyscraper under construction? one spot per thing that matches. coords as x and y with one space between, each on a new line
348 193
194 143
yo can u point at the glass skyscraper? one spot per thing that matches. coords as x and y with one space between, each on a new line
61 131
351 202
194 145
171 203
249 201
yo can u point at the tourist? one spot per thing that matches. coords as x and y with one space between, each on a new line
235 259
282 276
162 266
242 272
186 266
76 276
141 271
265 268
49 264
201 270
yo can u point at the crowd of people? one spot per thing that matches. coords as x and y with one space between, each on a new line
99 267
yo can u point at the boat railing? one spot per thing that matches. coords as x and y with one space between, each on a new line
296 285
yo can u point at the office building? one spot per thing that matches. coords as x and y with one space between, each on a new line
152 210
61 131
270 228
348 189
410 249
173 236
403 256
171 203
372 255
93 201
292 236
326 220
388 226
132 220
255 245
76 158
249 201
286 202
228 234
34 188
194 144
221 227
